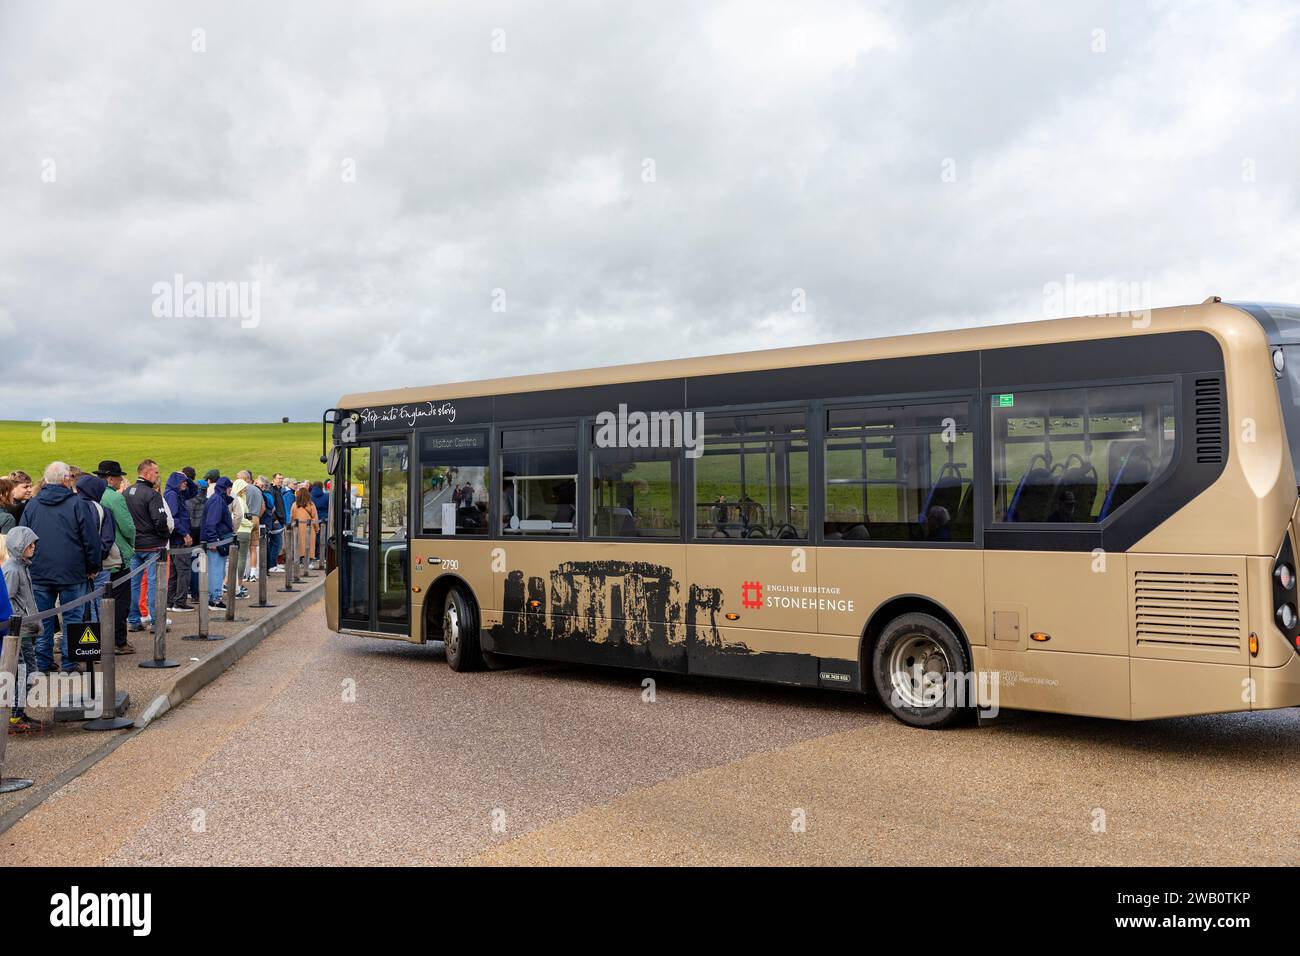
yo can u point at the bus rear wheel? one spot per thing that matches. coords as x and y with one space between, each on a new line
460 632
919 666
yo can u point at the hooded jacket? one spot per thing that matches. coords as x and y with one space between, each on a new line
91 488
149 513
239 488
176 499
217 523
321 499
125 527
194 509
69 551
18 577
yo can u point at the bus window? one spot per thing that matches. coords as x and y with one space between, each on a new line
900 473
635 493
1077 455
752 479
539 480
454 482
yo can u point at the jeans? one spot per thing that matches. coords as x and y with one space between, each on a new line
26 668
273 549
216 575
100 580
46 597
138 559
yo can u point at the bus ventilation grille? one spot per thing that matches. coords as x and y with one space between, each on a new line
1187 609
1209 422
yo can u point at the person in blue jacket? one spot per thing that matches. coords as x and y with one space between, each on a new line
66 562
217 524
177 493
6 609
321 499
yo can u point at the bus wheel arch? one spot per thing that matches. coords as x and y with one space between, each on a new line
451 603
915 610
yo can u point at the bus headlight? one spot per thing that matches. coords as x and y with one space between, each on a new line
1279 362
1286 617
1285 576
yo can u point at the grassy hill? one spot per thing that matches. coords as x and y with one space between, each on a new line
292 448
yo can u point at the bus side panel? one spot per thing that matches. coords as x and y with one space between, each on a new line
332 600
606 603
464 557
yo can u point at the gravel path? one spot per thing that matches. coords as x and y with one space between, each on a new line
275 763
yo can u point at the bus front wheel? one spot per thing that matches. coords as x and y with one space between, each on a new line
460 632
920 666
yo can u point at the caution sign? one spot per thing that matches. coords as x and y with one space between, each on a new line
83 642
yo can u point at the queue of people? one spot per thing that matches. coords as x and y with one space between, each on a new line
73 531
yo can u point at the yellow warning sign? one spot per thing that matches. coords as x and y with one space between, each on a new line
88 637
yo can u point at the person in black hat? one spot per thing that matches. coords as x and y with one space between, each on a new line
123 594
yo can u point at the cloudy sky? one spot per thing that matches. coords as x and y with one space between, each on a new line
431 192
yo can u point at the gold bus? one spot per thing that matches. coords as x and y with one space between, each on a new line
1099 511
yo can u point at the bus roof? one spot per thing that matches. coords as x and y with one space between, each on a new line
1211 315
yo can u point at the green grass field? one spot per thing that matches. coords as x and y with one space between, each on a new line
293 448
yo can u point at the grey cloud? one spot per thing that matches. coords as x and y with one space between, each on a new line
795 146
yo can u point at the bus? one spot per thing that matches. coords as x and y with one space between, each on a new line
1097 513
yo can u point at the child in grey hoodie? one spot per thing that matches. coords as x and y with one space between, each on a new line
21 545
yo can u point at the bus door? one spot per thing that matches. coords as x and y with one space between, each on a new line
374 560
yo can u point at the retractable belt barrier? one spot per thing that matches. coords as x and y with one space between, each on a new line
17 621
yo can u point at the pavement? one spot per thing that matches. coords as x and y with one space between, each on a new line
63 749
322 749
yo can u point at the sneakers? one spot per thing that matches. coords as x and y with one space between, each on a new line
179 609
276 570
216 605
123 649
22 724
242 593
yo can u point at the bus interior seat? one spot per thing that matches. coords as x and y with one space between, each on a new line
1079 478
946 492
965 513
1033 496
1134 474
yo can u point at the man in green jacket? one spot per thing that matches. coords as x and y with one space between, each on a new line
112 473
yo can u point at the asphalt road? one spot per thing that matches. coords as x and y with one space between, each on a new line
276 763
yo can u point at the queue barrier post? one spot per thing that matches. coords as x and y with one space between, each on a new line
160 592
205 615
9 672
289 560
108 718
264 552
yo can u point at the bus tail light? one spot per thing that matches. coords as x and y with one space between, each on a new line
1284 596
1254 644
